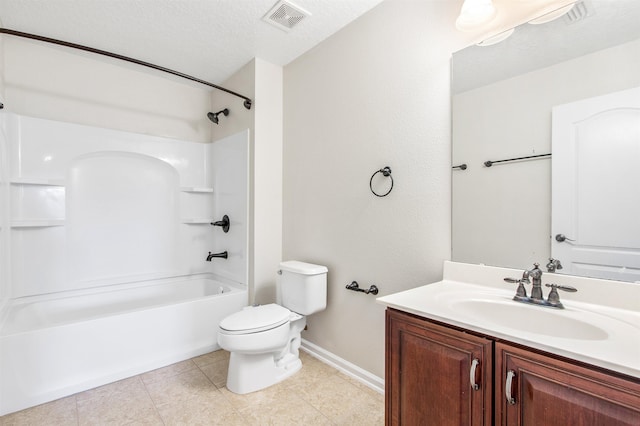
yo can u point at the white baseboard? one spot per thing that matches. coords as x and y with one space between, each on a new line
370 380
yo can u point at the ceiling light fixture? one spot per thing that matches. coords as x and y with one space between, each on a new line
474 14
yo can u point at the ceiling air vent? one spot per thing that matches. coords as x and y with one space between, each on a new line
581 10
285 15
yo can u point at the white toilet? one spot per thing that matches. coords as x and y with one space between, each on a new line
264 340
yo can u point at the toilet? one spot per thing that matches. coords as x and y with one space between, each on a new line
264 340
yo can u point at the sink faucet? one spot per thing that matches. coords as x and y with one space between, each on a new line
536 280
223 255
553 265
534 277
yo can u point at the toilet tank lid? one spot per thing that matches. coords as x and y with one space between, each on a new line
303 268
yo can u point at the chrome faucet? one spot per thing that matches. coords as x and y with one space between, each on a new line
536 281
223 255
553 265
534 277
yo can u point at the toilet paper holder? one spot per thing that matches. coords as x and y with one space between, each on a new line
355 287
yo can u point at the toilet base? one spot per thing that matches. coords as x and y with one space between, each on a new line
250 372
253 372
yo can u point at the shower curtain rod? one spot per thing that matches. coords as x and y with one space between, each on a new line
247 101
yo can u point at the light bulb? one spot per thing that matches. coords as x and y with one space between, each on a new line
474 14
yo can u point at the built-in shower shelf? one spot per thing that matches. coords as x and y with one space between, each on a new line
37 181
37 223
197 221
196 189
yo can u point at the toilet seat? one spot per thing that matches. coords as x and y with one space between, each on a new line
254 319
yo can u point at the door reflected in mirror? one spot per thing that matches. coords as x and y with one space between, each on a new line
503 98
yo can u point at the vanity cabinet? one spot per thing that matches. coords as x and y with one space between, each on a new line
430 371
548 391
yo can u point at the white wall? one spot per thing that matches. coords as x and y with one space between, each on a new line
4 220
4 207
230 169
510 205
262 82
61 84
267 180
375 94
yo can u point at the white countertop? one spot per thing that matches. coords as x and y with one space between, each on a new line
600 324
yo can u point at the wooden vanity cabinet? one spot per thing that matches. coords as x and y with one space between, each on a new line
428 382
549 391
429 369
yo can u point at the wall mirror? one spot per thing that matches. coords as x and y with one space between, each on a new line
509 101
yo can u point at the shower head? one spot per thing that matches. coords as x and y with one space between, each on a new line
213 116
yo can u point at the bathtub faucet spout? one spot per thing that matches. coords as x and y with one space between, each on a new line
223 255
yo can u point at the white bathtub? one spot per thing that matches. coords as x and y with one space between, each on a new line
56 345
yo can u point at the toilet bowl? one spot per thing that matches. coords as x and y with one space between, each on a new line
264 340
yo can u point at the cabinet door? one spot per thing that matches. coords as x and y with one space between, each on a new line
547 391
429 371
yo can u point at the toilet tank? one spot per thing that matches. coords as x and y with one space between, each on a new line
303 287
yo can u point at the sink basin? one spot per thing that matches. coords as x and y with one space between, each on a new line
531 319
600 324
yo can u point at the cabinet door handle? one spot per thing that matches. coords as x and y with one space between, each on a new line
472 374
507 387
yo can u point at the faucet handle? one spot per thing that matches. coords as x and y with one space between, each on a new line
554 298
562 287
521 292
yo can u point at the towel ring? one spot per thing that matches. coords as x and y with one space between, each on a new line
386 171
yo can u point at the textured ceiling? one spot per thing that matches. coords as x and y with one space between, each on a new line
209 39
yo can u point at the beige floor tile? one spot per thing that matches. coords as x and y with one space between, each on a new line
153 420
216 372
277 405
311 372
60 412
131 403
168 371
126 385
374 395
211 357
297 413
340 400
186 394
181 387
200 410
272 395
368 412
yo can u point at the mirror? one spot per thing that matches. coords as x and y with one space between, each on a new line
502 101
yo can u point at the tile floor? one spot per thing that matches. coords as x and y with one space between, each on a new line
193 392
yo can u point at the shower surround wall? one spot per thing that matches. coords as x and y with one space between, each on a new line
153 221
4 223
90 211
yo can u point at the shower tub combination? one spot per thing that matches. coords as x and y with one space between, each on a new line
56 345
103 274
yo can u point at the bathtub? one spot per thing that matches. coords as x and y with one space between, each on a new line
53 346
